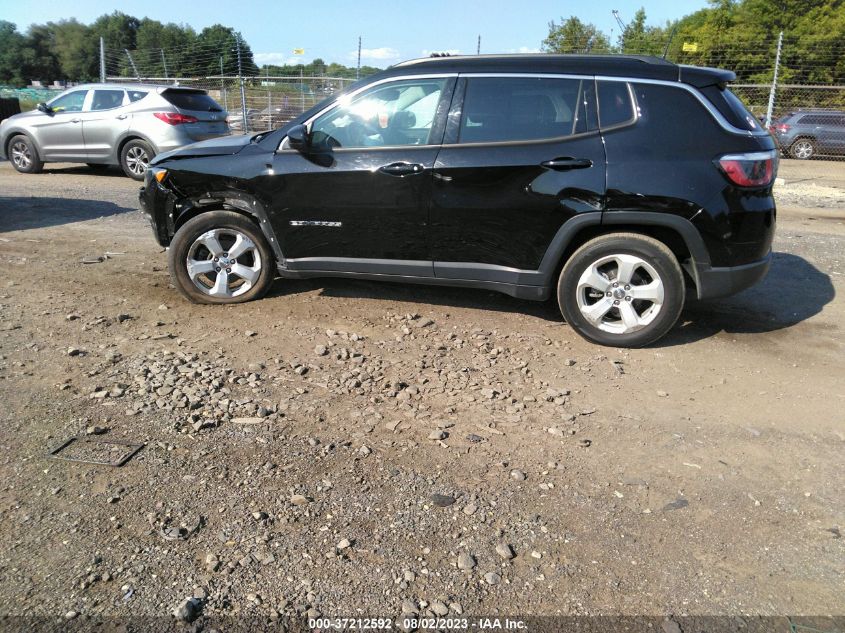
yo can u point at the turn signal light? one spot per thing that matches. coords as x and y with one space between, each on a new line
160 175
175 118
754 169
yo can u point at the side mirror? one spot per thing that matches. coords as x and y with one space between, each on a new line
43 107
298 137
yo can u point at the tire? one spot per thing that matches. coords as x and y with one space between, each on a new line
24 156
210 235
134 158
596 308
803 149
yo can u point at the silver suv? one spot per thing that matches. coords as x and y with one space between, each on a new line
110 124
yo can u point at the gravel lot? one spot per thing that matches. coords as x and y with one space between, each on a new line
349 448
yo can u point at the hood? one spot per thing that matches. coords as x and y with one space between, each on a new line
222 146
21 116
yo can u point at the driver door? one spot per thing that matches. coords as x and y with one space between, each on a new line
358 198
59 133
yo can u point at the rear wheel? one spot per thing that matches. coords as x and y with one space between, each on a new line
24 156
221 257
803 149
622 290
135 157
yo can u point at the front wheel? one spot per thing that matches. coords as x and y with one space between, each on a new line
135 157
622 290
24 156
221 257
803 149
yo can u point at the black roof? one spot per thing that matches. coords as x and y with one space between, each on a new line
639 66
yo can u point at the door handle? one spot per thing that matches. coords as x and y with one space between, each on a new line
401 169
564 164
120 116
74 120
439 176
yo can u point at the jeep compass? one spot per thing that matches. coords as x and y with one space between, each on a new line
616 183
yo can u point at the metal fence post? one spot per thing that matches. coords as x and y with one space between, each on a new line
771 106
243 91
102 61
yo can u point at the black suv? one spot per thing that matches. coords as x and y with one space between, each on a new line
614 182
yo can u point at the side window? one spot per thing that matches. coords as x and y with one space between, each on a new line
396 113
107 99
810 119
501 109
70 102
615 106
136 95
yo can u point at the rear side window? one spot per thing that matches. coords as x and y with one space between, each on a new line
192 100
501 109
820 119
615 105
730 106
136 95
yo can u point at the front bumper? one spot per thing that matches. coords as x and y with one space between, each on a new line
713 283
157 203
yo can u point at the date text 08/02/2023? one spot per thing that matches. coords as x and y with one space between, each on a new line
413 623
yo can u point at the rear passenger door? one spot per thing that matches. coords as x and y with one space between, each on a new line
103 121
521 156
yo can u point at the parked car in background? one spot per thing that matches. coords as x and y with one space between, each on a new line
236 119
808 133
612 183
110 124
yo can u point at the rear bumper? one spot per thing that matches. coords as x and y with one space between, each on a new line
723 282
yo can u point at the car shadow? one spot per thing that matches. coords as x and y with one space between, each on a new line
21 213
793 291
108 171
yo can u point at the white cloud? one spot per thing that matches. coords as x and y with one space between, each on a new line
523 49
451 51
385 53
279 59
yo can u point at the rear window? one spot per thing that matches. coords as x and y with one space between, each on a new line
192 100
615 106
502 109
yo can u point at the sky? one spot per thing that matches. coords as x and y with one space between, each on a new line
391 31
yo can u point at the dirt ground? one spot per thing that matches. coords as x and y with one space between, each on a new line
348 448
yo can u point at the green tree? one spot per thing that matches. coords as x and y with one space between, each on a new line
574 36
11 60
640 39
75 50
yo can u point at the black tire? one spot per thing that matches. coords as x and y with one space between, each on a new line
227 224
134 158
23 155
803 149
652 322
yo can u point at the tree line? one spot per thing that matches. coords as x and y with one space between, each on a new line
740 35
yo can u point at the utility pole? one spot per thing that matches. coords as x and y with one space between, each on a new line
164 62
771 106
478 48
358 70
102 61
241 79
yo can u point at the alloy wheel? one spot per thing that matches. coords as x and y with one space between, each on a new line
802 149
223 263
137 160
620 293
21 155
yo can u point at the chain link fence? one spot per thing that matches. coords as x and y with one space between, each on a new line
794 86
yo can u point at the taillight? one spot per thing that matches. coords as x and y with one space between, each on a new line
755 169
782 128
175 118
